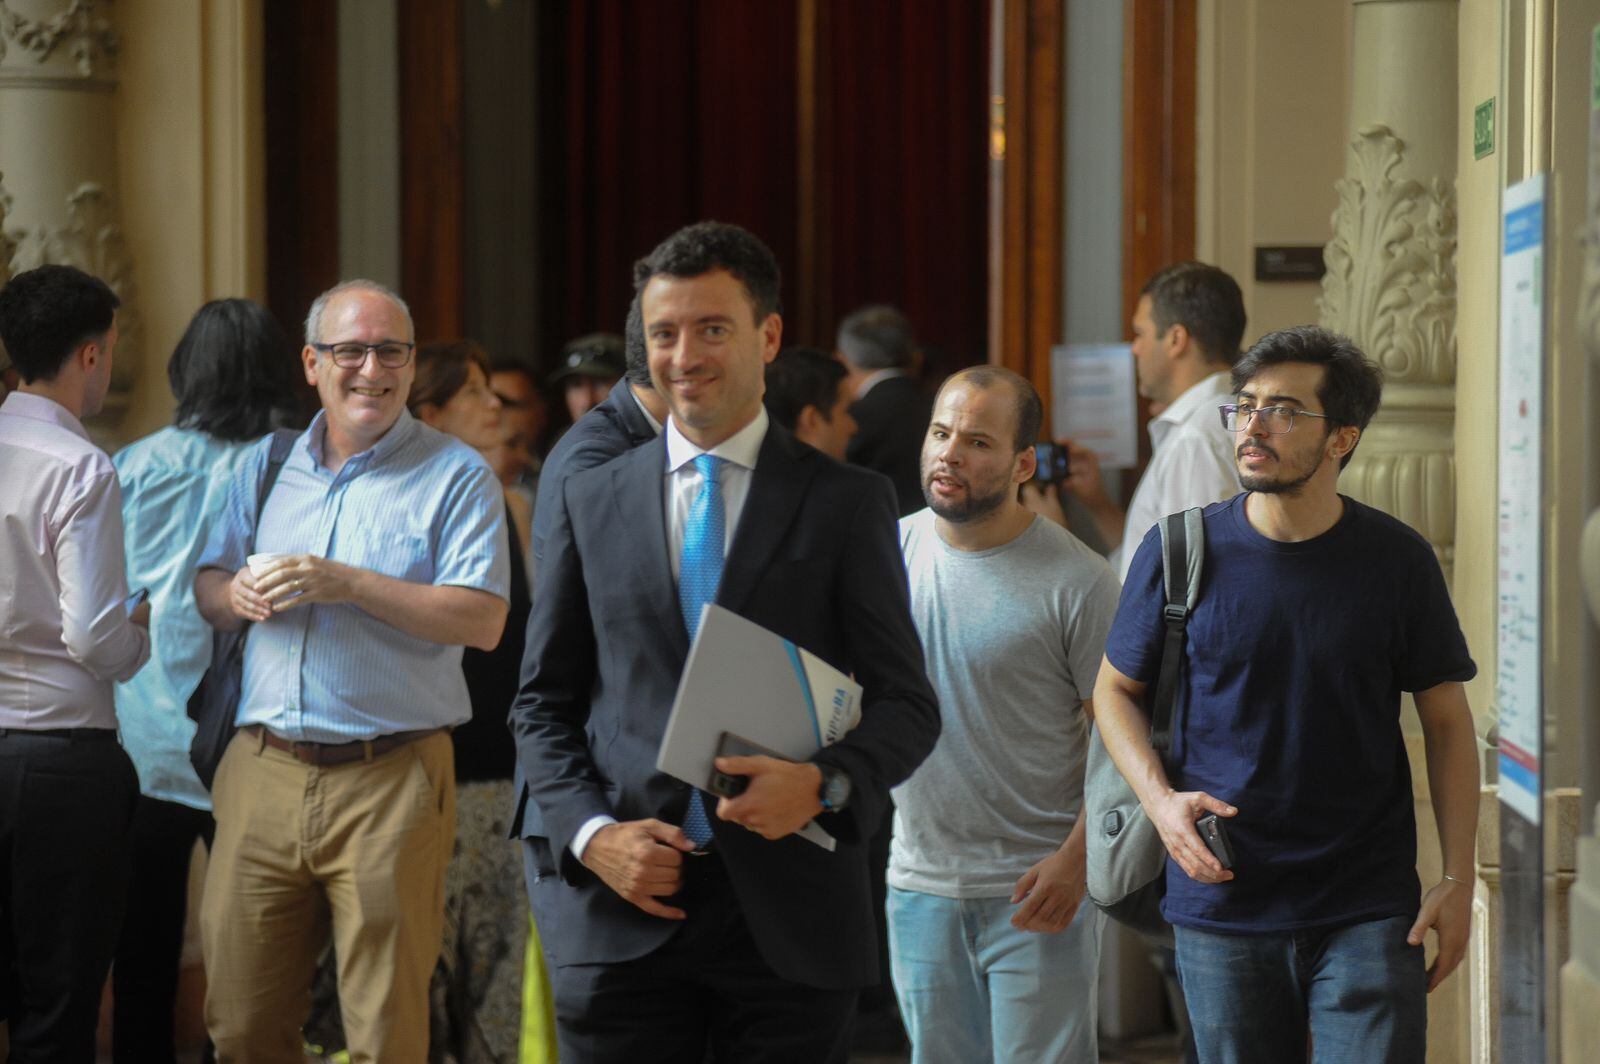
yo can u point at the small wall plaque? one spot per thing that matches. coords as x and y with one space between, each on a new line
1483 129
1290 263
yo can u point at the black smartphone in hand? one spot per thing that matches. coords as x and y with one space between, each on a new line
731 745
1215 834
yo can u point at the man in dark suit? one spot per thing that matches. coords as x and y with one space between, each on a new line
674 922
891 408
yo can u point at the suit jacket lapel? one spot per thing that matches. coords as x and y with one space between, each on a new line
637 490
777 487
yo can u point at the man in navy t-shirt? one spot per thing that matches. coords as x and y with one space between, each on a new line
1315 613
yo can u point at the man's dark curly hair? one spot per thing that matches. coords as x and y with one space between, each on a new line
705 246
1352 384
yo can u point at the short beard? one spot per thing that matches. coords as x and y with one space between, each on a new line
975 508
1269 486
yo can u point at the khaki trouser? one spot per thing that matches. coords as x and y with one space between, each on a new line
362 845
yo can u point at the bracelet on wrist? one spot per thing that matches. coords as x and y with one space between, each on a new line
1454 879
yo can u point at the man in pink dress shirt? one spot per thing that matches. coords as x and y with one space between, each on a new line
67 790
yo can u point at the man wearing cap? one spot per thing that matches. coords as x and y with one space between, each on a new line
335 804
590 367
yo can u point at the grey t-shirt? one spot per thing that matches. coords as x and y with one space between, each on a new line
1013 638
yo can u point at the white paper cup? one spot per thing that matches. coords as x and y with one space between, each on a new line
261 564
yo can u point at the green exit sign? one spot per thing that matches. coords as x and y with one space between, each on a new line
1483 129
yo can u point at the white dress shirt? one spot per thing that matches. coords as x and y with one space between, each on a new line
1191 464
64 628
682 485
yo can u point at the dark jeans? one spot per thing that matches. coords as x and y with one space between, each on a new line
706 994
65 808
144 979
1358 992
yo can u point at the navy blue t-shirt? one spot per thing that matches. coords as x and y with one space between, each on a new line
1290 711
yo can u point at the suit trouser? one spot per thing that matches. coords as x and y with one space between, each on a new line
363 846
704 994
144 979
65 809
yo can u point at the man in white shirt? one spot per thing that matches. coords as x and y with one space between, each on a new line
1186 332
67 789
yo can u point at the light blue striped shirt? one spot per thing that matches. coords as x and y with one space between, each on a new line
418 505
175 485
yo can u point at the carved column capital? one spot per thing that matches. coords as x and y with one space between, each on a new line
1391 280
77 39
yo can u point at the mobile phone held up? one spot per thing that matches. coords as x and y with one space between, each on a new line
1215 835
1053 463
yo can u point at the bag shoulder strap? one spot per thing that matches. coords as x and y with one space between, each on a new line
1182 558
277 454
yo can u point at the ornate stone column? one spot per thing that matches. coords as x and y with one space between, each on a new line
58 139
1580 976
1391 287
1391 280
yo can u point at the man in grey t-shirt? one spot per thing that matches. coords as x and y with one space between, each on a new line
991 956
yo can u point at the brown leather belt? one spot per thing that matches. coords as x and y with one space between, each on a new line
323 754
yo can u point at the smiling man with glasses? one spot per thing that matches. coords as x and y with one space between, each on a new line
1316 613
335 803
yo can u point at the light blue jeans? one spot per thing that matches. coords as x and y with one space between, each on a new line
973 988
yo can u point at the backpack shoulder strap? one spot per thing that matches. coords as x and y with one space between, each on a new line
277 454
1182 558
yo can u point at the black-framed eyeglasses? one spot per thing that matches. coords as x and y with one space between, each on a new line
1275 419
392 354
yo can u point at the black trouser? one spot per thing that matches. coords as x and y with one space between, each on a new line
66 803
144 979
705 994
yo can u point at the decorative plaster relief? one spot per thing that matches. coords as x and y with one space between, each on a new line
8 246
92 241
1391 279
90 36
1417 486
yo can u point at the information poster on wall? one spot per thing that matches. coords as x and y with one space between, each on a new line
1092 400
1518 691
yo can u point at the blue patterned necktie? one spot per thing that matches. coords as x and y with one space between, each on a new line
699 573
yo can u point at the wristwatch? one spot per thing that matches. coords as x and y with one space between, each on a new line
835 790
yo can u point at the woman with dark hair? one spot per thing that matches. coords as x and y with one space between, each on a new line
232 376
477 993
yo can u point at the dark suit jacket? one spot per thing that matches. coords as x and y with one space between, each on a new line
613 427
815 558
891 421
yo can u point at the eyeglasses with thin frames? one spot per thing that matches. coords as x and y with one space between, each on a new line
1277 420
392 354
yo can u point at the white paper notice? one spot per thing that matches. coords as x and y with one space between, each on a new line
1520 563
1092 400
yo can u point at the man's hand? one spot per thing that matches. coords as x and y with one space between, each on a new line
783 796
245 599
141 614
1050 892
641 860
1447 908
305 580
1083 475
1044 500
1174 815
